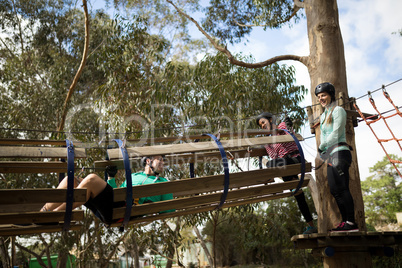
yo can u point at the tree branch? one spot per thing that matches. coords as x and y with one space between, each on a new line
295 9
232 59
38 257
299 4
80 69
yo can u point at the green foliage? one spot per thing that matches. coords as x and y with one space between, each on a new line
258 236
137 81
224 18
382 192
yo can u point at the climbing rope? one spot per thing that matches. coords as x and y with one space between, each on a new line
384 119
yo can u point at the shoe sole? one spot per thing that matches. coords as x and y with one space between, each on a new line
344 231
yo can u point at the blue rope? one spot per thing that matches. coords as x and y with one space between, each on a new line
129 190
70 186
192 168
225 169
303 162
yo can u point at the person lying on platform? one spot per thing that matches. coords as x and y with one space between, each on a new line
283 154
100 193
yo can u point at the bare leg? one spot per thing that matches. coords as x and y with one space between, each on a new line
93 183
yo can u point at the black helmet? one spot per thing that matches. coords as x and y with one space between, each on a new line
326 87
265 115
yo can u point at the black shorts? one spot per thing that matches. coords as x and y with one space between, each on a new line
102 205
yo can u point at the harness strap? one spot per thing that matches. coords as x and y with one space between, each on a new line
129 189
70 185
192 168
225 169
302 161
327 154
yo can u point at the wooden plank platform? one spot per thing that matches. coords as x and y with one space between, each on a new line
190 138
32 142
197 147
375 243
40 195
39 217
32 200
33 167
188 211
38 152
209 183
187 158
251 194
12 230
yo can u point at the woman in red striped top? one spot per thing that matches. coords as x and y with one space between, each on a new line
283 154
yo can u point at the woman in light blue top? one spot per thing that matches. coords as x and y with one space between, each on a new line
336 151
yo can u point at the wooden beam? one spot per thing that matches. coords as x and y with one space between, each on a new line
187 158
202 209
39 152
32 142
208 199
12 230
199 146
40 195
6 208
191 138
347 240
209 183
39 217
33 167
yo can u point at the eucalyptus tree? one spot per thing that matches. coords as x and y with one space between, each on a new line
382 192
231 21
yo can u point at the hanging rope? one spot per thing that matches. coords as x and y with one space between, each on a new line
384 119
129 189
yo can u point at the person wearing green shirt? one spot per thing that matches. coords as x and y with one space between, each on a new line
153 166
100 193
336 152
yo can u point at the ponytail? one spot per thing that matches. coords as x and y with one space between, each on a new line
329 118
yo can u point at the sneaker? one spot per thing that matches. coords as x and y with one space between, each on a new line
346 227
310 230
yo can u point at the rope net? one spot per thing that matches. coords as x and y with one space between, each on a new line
380 117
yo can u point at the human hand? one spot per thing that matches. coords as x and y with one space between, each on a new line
288 122
111 171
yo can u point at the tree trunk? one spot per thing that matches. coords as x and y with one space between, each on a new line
5 258
62 259
327 64
136 254
204 246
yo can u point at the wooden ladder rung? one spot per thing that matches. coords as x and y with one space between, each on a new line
188 211
39 152
199 146
208 199
33 167
209 183
187 158
39 217
40 195
12 230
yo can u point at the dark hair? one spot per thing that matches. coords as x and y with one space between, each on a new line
265 115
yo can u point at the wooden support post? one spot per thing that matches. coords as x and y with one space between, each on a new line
310 119
349 259
351 107
13 251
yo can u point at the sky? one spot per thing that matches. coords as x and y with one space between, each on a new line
373 58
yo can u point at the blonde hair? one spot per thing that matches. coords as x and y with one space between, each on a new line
329 117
